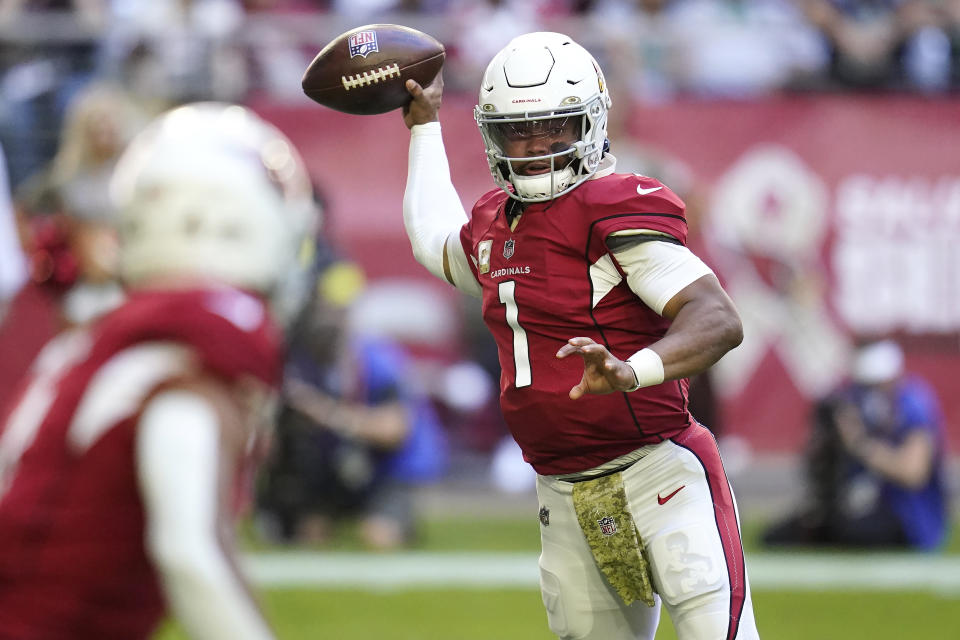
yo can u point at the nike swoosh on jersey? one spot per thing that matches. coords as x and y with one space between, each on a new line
664 500
644 192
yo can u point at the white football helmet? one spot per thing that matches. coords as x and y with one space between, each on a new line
213 191
531 87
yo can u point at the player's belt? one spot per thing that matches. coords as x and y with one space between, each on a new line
621 463
607 524
585 476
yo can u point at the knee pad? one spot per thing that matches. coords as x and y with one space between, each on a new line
550 591
584 616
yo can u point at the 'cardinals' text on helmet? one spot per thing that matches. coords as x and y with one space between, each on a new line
533 86
211 190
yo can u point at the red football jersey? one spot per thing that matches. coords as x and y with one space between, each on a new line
72 557
539 291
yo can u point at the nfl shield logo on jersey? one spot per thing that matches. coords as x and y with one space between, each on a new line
508 248
363 43
545 516
608 526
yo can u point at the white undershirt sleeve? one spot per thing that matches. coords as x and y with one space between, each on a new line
658 270
177 457
432 211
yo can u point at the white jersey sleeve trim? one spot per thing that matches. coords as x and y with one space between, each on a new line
657 271
119 387
432 211
177 457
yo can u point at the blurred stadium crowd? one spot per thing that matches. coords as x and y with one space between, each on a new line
171 51
78 78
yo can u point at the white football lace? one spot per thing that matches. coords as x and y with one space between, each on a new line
370 77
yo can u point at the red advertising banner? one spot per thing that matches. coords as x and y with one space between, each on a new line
828 218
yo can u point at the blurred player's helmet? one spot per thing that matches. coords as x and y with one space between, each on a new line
532 87
213 191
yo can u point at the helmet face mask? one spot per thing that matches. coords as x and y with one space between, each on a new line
563 82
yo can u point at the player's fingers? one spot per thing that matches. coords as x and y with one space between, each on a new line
567 350
595 355
592 353
574 345
577 391
594 350
414 88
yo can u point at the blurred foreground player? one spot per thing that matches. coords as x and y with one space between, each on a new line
128 457
571 258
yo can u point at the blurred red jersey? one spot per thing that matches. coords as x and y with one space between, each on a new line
542 285
72 557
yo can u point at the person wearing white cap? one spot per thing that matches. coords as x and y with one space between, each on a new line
875 463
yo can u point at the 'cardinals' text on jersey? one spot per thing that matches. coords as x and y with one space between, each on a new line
72 557
552 278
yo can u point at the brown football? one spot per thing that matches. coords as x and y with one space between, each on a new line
364 70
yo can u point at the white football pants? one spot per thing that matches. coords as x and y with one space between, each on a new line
686 516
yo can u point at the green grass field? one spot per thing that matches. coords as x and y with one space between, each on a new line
515 613
512 614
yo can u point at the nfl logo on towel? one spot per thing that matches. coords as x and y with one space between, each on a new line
363 43
608 526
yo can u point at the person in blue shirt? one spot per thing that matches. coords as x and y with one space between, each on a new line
355 433
876 462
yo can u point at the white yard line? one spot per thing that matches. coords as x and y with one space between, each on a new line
768 571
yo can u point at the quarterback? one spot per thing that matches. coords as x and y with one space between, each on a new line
573 259
130 452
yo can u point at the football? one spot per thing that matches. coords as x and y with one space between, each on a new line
364 70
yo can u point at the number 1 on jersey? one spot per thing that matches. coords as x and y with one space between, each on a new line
521 350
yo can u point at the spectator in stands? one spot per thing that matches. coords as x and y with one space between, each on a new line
884 44
39 77
71 230
742 48
74 189
875 463
98 124
928 52
370 8
951 12
172 51
482 28
354 432
636 43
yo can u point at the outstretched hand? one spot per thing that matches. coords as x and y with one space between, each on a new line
602 371
426 101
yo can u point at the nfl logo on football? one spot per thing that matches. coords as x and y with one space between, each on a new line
608 526
363 43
